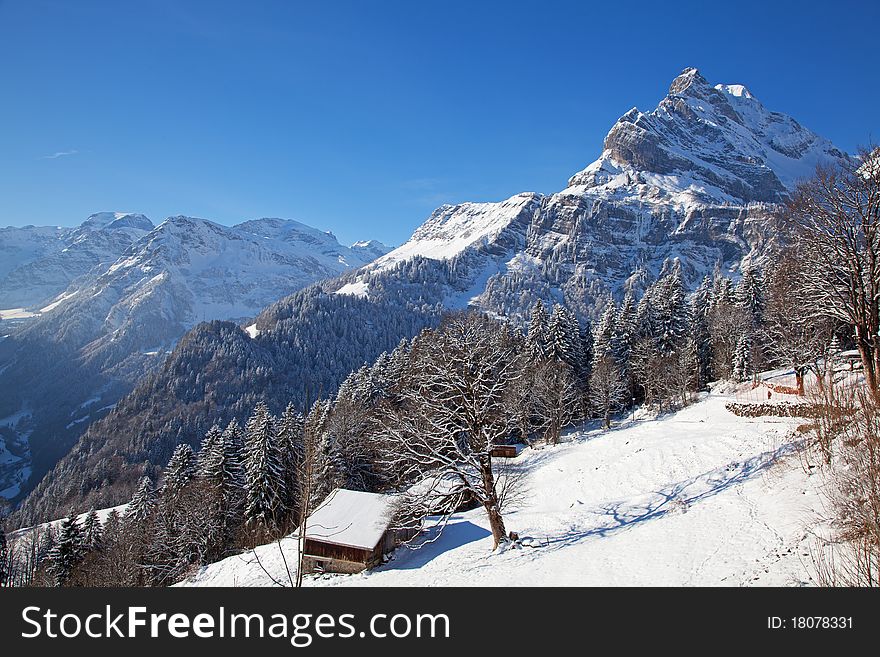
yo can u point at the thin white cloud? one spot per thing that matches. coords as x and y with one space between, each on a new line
55 156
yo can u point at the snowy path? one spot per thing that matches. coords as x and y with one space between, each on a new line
700 497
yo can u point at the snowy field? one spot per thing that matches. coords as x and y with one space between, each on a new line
698 497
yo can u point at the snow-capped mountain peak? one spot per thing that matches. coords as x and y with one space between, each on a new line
718 142
117 220
695 179
370 249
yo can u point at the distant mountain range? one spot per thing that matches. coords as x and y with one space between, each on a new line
91 309
697 179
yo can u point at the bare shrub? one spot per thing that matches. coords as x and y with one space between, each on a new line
851 444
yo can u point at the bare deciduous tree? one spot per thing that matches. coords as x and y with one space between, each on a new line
454 411
607 388
555 397
850 428
835 220
798 336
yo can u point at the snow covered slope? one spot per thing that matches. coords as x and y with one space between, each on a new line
453 228
699 497
696 178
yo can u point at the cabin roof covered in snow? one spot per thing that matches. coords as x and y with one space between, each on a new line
350 518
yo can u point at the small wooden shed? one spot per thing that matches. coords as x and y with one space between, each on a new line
851 358
350 532
503 451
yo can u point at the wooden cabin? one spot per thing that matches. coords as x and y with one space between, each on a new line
350 532
503 451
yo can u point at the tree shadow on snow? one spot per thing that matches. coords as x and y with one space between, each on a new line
455 534
675 498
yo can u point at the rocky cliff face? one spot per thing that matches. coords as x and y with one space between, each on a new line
697 179
719 143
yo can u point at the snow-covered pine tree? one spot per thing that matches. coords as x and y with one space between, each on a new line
290 441
399 360
750 297
329 467
670 311
180 512
537 339
264 470
67 551
586 351
725 327
645 320
703 295
624 329
209 453
347 387
699 341
45 545
310 484
742 365
92 531
112 524
180 469
142 502
563 335
722 291
361 385
749 293
221 475
231 471
604 333
573 332
380 376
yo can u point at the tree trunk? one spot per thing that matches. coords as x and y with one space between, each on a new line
490 503
607 418
799 380
869 367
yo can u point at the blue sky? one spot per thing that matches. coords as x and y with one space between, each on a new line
362 117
